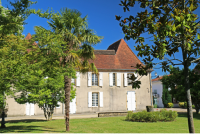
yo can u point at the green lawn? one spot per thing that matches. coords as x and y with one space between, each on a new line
102 125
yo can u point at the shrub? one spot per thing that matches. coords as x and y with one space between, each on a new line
144 116
155 105
193 106
166 97
185 104
181 104
170 105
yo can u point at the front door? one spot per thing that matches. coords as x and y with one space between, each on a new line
131 100
29 109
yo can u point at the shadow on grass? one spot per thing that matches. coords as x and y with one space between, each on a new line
25 121
27 128
196 116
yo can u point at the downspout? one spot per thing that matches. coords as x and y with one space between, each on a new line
150 87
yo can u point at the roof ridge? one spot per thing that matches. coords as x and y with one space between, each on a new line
115 45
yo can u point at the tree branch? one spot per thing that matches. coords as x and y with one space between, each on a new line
195 60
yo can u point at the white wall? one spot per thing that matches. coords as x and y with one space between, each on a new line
157 85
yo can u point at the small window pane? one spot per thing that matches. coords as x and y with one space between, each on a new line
113 79
94 99
94 80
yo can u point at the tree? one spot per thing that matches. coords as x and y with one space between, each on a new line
12 44
72 40
166 97
46 92
173 26
176 82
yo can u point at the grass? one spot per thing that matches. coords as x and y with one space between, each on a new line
101 125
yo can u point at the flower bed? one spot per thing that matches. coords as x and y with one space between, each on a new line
144 116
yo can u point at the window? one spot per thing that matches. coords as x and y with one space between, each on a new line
129 80
155 91
94 99
94 79
114 79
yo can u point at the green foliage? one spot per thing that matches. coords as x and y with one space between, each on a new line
155 105
193 106
170 105
176 82
181 104
144 116
166 97
13 47
185 104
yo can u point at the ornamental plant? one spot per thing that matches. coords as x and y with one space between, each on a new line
181 104
170 105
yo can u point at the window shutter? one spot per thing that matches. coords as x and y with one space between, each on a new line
111 79
125 79
100 79
118 79
89 79
135 74
77 78
89 99
72 80
101 99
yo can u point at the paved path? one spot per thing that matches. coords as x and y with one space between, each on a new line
57 116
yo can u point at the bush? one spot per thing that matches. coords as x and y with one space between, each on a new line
155 105
181 104
193 106
170 105
185 104
166 97
144 116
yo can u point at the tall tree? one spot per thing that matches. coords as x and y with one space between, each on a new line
12 44
72 40
176 82
173 26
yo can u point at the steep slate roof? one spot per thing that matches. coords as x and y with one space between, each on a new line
124 58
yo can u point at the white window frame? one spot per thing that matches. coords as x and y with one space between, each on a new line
93 83
96 99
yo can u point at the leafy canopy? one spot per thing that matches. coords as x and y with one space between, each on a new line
166 23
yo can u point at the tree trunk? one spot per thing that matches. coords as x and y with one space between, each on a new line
67 100
186 76
187 89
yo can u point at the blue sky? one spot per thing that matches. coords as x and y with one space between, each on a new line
101 18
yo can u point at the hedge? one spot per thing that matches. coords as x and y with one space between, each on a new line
144 116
